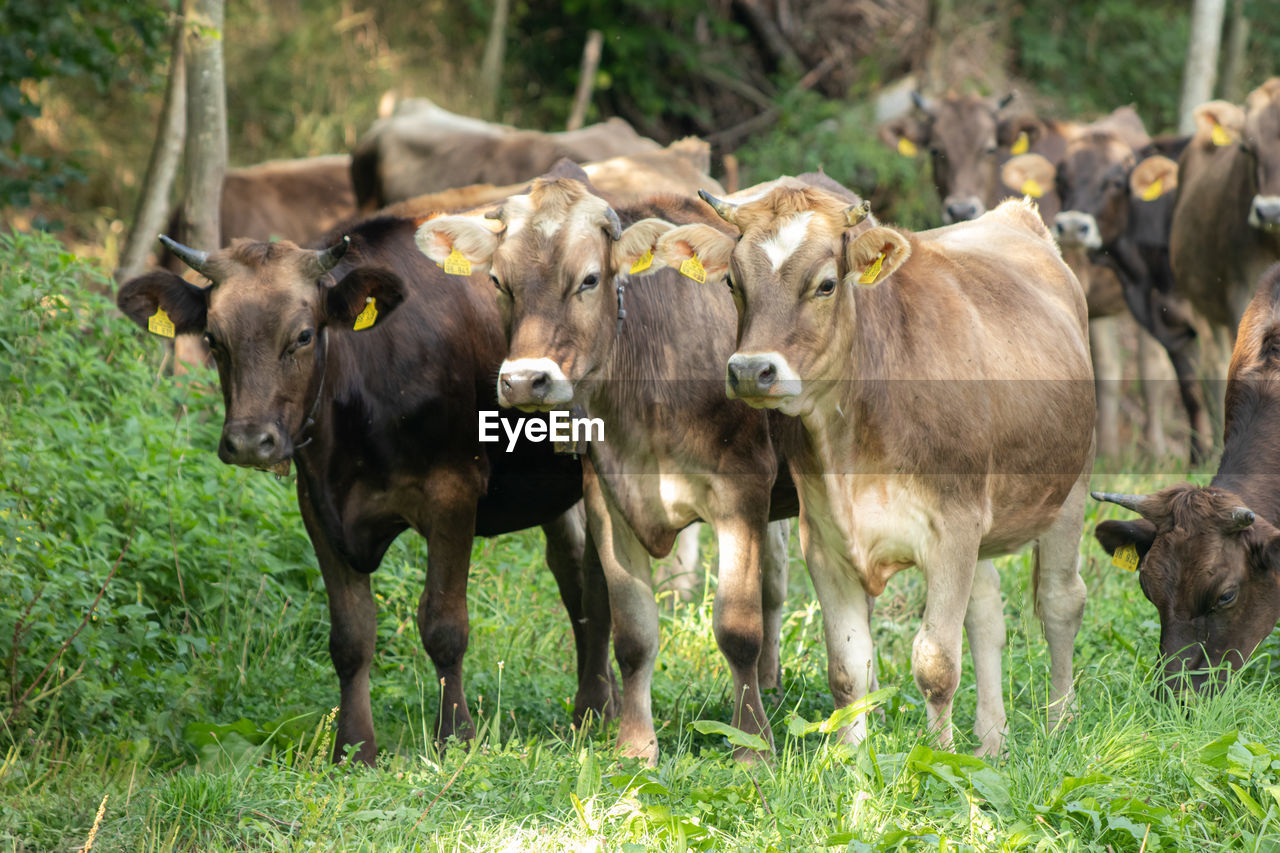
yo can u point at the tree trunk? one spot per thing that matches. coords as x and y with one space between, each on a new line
1233 65
1202 60
153 200
491 66
586 79
206 148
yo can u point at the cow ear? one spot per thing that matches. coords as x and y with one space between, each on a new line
164 304
460 244
1029 174
1218 123
1153 177
1019 132
1113 535
636 250
1266 553
874 255
364 297
698 251
904 134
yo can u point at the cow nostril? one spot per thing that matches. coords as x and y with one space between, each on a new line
733 377
767 375
266 443
540 383
229 444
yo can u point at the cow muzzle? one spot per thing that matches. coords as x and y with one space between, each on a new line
533 385
962 209
253 444
1074 228
1264 213
763 380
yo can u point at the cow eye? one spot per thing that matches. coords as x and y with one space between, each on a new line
826 288
1227 598
493 278
210 341
589 282
728 282
304 337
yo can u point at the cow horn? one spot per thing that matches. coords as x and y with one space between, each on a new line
920 101
193 258
1131 502
327 259
1006 100
855 213
1241 519
612 224
724 209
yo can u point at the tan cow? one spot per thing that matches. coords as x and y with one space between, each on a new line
944 386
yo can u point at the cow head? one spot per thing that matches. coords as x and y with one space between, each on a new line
1093 182
1261 139
966 140
1211 568
264 317
792 274
558 257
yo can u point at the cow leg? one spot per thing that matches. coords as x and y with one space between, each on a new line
1189 391
353 625
1153 372
949 568
1104 347
635 620
773 595
576 567
443 623
679 576
984 626
738 624
1060 596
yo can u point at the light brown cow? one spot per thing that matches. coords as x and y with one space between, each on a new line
428 150
646 356
944 386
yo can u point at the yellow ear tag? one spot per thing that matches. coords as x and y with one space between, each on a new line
1126 557
368 316
645 261
1021 144
160 324
456 264
1032 188
870 274
906 147
1220 135
692 268
1153 190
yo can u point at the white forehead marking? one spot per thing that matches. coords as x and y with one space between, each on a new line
515 211
787 239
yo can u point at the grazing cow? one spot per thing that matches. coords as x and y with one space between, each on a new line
971 142
1117 202
943 383
1226 221
296 200
366 367
1208 557
646 356
416 152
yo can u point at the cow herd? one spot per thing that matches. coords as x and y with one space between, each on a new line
916 399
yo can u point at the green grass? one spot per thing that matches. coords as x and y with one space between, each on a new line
199 709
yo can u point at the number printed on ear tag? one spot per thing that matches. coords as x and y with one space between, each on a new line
160 324
643 263
692 268
457 264
368 316
1126 557
870 274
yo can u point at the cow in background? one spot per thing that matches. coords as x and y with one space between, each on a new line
366 367
1117 202
424 149
944 386
1208 557
969 140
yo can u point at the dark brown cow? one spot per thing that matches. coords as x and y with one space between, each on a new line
367 369
944 387
297 200
646 356
1208 558
1117 205
418 151
1226 222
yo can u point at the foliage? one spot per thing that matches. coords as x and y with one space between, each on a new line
99 42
